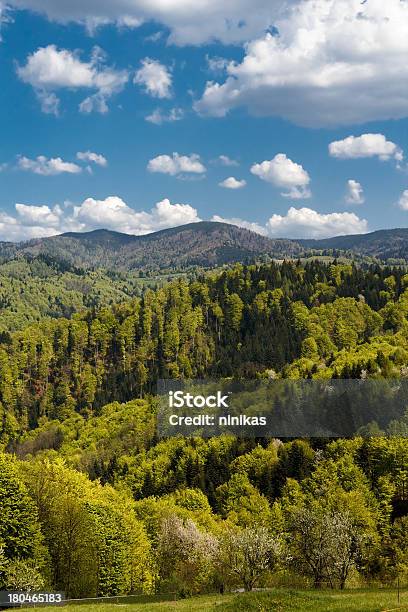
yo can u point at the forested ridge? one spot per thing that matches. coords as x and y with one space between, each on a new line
94 503
34 288
205 244
382 244
58 276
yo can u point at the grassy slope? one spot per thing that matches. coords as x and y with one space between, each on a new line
279 600
320 601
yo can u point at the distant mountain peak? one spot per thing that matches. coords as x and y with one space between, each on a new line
96 232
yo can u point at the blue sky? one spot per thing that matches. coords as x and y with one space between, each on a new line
117 117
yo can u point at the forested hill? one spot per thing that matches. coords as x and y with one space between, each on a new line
206 244
299 320
198 244
34 288
383 244
93 504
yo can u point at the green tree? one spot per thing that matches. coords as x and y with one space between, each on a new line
23 575
19 529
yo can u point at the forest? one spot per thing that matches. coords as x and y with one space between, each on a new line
95 503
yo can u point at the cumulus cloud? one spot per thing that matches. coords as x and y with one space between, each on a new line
354 193
403 201
366 145
249 225
224 160
285 174
308 223
155 78
304 223
327 63
47 167
158 117
39 215
95 158
53 67
13 230
112 213
32 222
232 183
49 69
177 164
188 22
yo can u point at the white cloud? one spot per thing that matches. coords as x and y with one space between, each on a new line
403 201
52 67
224 160
155 78
30 222
354 193
231 21
49 69
254 227
366 145
216 64
308 223
112 213
232 183
94 104
3 14
155 37
304 223
12 230
286 174
39 215
329 64
47 167
177 164
49 101
89 156
158 117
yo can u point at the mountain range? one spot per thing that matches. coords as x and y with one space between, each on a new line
382 244
204 244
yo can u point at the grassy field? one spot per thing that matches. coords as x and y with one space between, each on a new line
279 600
